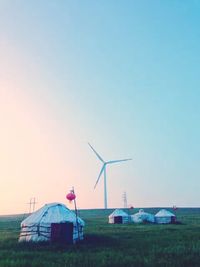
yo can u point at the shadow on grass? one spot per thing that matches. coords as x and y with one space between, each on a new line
90 240
48 246
99 240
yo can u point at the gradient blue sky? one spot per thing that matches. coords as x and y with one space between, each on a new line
123 75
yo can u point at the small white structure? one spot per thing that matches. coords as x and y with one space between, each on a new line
165 216
53 222
118 216
142 216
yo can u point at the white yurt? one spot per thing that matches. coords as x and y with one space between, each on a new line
118 216
53 222
142 216
165 216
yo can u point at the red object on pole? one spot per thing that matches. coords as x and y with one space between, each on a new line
71 196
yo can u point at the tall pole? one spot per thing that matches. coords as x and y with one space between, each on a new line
105 190
77 225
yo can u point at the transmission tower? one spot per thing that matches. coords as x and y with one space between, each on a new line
32 205
124 197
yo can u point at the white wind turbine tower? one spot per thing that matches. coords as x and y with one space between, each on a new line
103 170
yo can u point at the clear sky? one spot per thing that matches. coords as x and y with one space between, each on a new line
122 75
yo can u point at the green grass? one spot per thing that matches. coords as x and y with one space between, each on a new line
109 245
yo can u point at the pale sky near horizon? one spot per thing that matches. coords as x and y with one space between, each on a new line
122 75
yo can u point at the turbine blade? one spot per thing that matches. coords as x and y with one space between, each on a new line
102 169
116 161
99 157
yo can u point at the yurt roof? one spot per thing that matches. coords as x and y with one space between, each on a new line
52 213
164 213
118 212
142 213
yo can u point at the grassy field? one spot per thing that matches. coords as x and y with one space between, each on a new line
109 245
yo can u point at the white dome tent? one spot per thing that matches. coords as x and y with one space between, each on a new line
53 222
165 216
118 216
142 216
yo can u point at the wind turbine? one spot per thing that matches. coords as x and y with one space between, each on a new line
103 170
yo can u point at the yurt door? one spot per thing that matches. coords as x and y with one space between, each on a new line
173 219
62 233
118 219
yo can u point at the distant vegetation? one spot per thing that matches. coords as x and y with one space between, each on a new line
109 245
